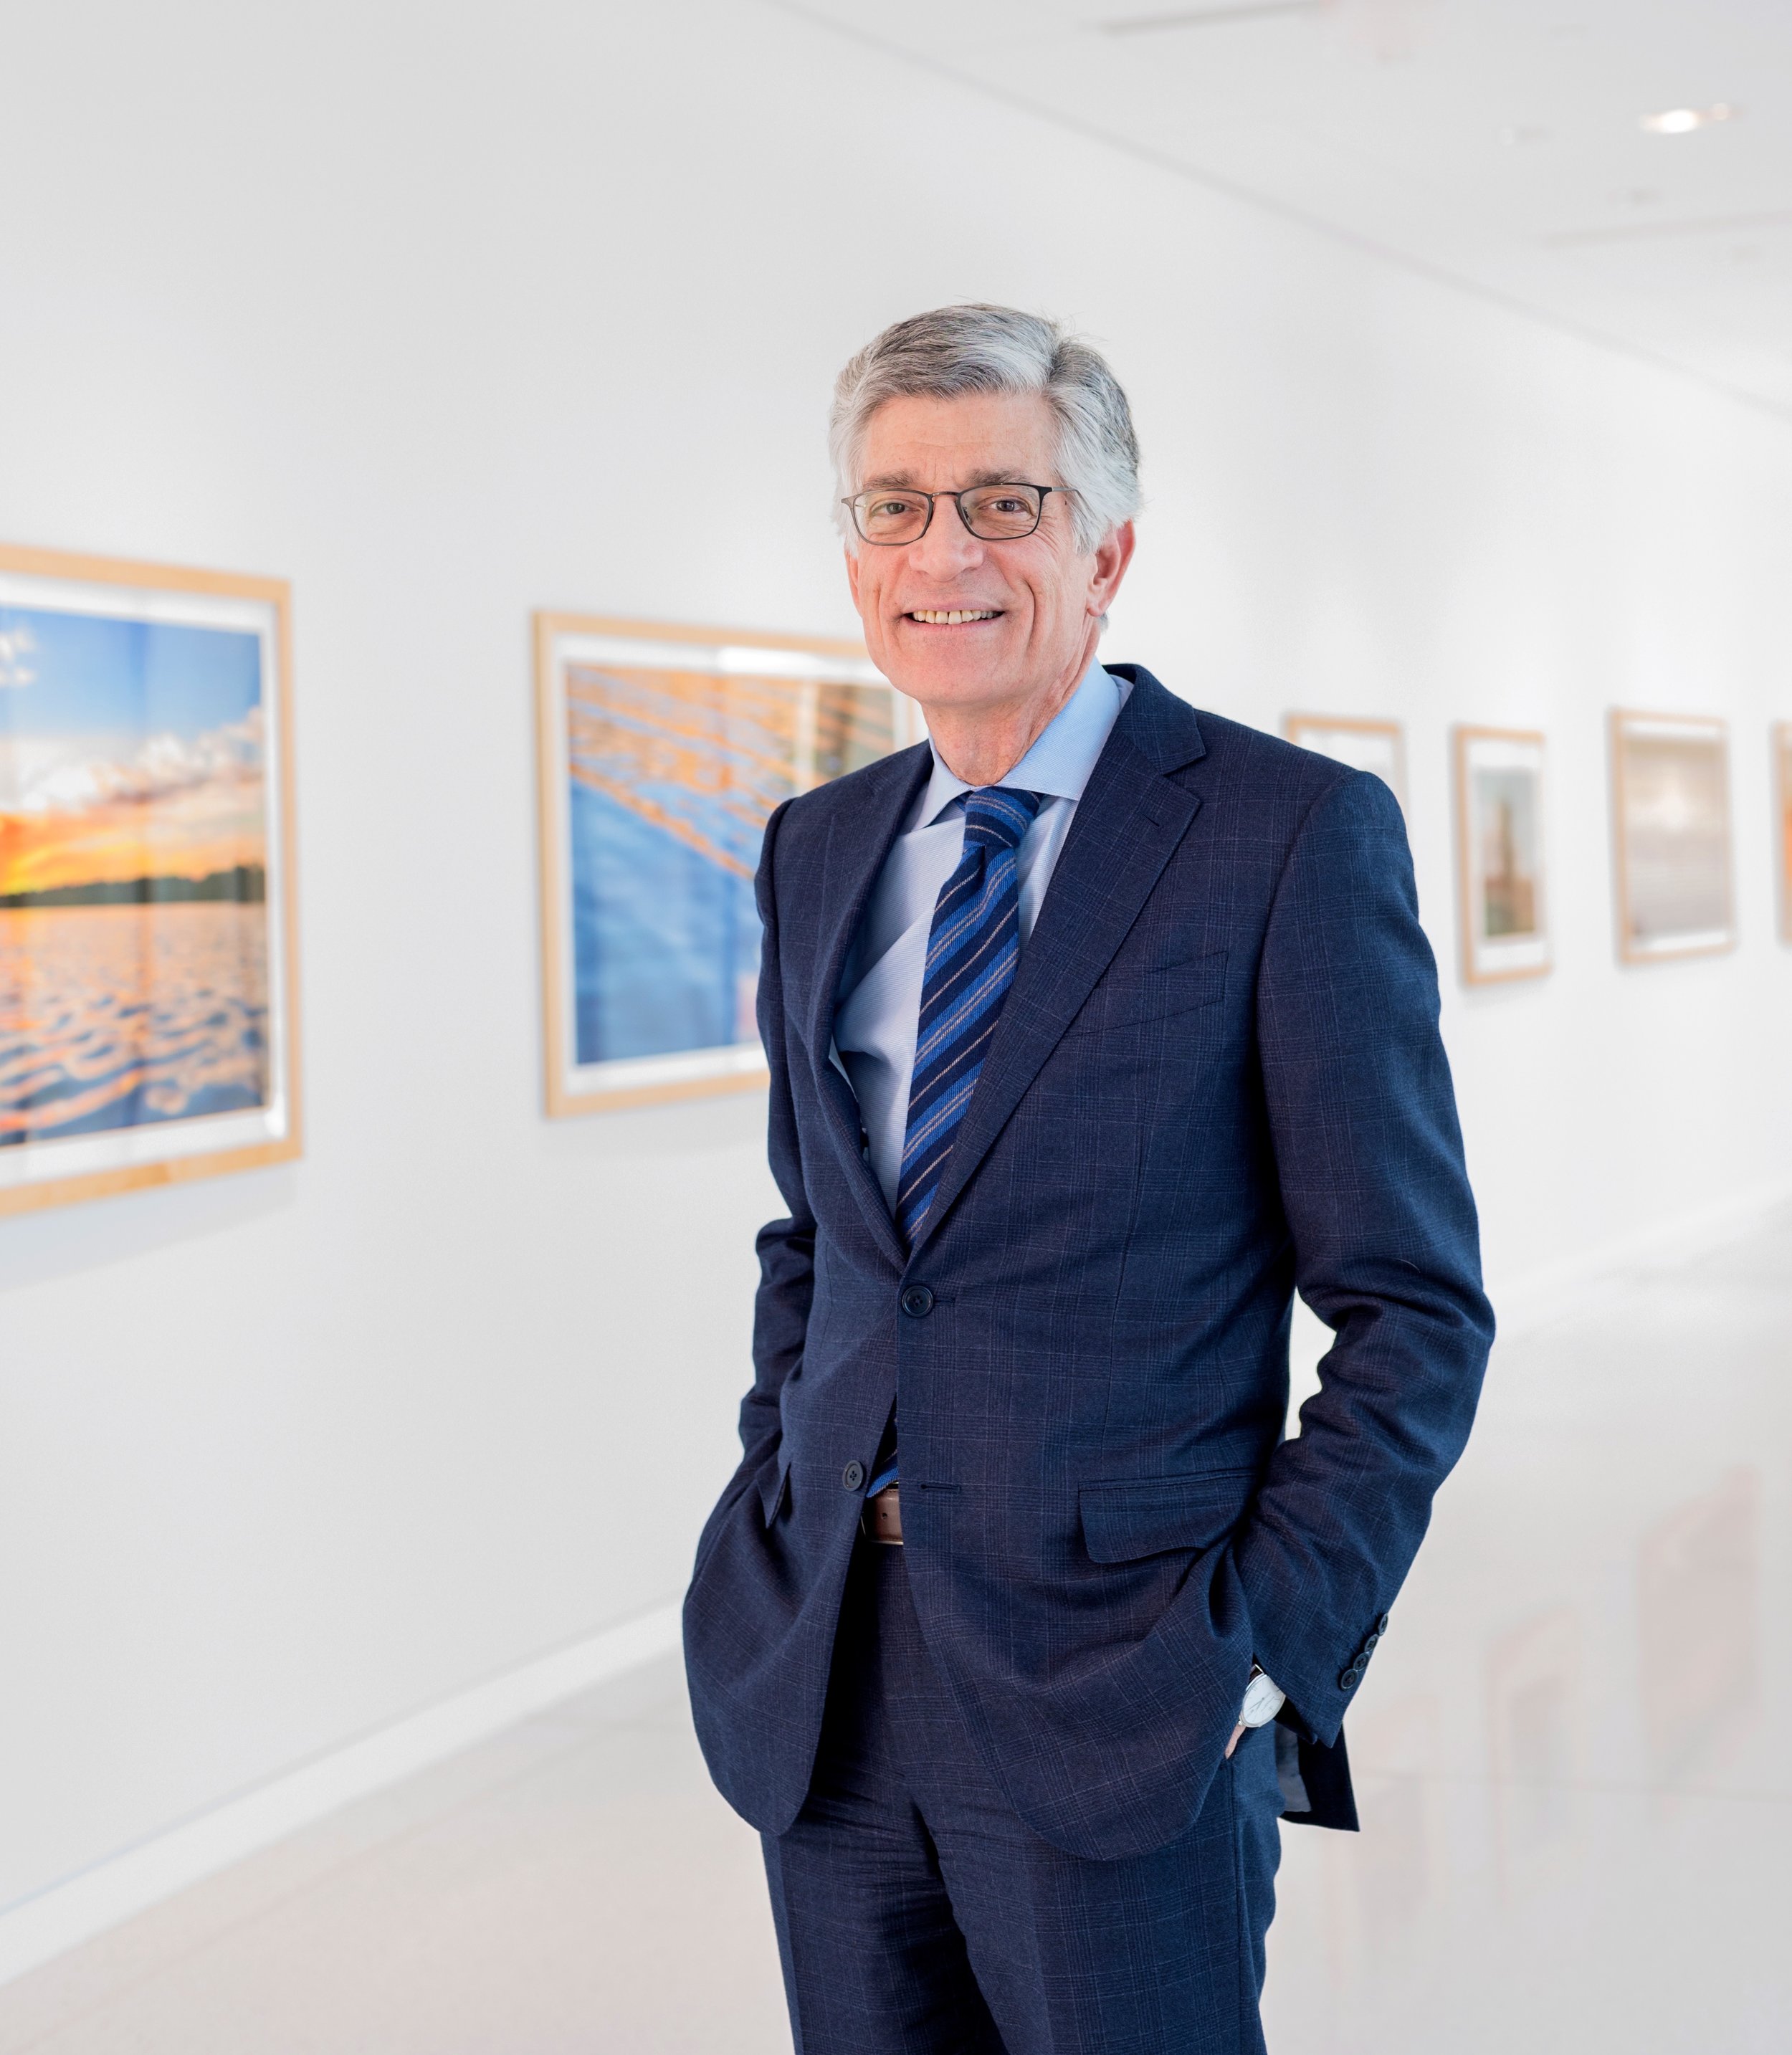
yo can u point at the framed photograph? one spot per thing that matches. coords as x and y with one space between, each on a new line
148 966
1499 854
1671 808
1536 1731
1397 1884
1782 823
1698 1609
662 753
1364 745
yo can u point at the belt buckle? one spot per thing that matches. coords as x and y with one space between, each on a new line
882 1519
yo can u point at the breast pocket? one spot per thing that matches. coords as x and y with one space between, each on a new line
1133 1517
1144 998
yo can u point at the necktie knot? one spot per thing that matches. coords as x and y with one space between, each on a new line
997 816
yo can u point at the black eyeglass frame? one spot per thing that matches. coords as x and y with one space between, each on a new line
851 502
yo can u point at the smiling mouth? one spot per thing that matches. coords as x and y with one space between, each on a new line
953 617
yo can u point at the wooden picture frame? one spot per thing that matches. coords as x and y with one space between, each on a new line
1783 822
1671 836
149 1010
1375 746
661 751
1502 901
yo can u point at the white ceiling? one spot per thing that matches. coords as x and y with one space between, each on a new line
1498 142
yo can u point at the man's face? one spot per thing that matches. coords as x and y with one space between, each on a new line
1034 602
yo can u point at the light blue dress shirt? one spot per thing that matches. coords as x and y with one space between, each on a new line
879 1005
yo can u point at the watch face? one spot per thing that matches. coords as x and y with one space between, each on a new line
1263 1700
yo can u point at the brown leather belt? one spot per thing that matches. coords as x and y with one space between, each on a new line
882 1517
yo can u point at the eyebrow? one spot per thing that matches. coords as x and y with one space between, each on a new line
903 481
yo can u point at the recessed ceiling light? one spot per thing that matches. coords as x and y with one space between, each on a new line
1683 120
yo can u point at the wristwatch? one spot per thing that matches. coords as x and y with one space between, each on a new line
1264 1698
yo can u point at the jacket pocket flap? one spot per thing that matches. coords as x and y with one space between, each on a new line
1127 999
1133 1517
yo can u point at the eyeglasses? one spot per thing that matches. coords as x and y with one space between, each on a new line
891 516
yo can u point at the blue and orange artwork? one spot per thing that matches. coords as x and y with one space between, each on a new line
133 872
672 775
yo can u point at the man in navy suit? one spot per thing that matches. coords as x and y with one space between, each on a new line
1097 1028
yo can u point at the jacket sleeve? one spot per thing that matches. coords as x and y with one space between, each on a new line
787 1246
1369 1158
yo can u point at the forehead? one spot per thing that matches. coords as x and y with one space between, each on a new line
938 444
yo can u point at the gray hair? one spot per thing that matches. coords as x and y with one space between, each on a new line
978 349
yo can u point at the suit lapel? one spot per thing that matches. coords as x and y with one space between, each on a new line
858 845
1129 822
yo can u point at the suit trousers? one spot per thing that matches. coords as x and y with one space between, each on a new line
917 1914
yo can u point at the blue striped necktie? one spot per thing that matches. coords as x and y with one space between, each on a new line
971 951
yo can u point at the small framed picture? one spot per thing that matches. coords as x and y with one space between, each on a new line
662 752
1499 854
1537 1728
148 963
1699 1575
1782 823
1377 746
1671 808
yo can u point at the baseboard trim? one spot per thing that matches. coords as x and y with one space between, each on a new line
78 1907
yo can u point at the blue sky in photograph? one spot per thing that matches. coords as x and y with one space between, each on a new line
68 674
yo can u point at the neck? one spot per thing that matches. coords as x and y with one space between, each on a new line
980 745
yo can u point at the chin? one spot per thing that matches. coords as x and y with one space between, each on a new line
945 685
947 674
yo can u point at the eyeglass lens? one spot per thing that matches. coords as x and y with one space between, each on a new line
992 513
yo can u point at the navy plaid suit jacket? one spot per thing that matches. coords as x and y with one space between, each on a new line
1218 1079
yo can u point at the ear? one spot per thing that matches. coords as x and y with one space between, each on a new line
1112 555
852 578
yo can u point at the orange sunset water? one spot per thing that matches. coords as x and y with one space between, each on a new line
120 840
133 852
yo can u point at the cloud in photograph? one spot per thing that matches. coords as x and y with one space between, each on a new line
176 806
17 644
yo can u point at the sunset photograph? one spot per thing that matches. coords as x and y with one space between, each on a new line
133 872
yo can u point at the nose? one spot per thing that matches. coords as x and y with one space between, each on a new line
949 549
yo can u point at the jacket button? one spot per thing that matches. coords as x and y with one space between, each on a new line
1349 1679
1369 1648
916 1302
853 1477
1381 1624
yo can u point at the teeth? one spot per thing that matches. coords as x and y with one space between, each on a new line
935 619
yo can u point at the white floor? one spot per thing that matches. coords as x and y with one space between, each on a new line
1578 1809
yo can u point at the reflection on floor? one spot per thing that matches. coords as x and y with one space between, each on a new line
1576 1814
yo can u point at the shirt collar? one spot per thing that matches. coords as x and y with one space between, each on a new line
1063 756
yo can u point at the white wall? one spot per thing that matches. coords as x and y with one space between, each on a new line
452 314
